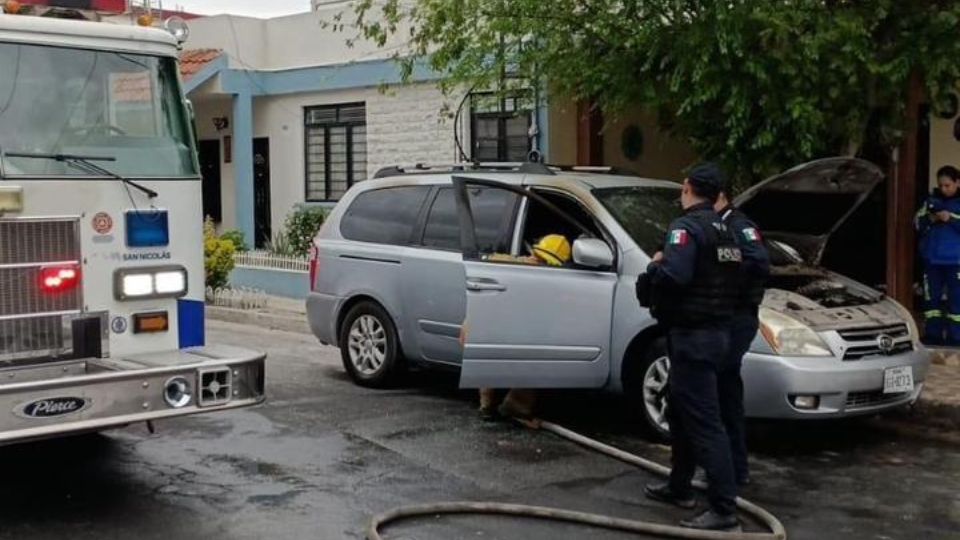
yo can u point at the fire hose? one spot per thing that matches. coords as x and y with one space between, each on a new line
777 531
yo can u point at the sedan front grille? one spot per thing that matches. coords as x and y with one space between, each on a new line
862 400
876 342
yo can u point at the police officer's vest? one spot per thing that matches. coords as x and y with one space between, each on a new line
714 293
751 288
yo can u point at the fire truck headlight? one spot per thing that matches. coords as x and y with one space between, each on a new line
140 283
171 282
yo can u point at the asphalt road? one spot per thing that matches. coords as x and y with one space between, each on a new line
323 455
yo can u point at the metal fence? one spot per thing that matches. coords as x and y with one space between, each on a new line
239 298
270 261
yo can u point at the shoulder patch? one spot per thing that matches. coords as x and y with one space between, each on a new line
678 237
751 235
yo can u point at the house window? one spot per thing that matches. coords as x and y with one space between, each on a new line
336 149
500 127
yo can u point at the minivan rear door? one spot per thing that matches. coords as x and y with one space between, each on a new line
530 326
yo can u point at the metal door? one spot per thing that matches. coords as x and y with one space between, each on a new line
531 326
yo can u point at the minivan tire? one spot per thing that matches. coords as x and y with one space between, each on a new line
369 346
647 387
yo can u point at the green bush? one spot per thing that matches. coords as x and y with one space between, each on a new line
217 256
236 236
280 245
300 228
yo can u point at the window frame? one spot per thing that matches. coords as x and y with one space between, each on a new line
349 125
507 226
415 230
501 116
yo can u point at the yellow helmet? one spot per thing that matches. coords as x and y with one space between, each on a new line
553 249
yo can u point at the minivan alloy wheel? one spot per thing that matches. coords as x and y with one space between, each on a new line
655 381
367 344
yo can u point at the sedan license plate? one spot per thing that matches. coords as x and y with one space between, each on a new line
898 380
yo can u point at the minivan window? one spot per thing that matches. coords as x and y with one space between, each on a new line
493 211
384 216
644 212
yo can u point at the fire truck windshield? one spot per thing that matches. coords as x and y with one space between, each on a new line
64 101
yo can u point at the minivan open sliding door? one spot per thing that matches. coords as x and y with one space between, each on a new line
531 326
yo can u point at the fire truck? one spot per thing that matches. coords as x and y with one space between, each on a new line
101 244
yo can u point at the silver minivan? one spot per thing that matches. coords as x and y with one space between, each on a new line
401 274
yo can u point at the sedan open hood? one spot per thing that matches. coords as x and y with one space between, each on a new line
806 204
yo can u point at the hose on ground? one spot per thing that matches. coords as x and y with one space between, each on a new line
768 520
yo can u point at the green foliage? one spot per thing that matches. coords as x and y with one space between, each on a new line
301 227
280 245
217 256
236 236
756 84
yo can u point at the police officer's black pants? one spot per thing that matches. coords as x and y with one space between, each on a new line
743 330
697 358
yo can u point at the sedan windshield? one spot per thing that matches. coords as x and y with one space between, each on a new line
63 101
644 212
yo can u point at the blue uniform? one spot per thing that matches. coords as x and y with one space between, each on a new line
697 286
743 329
940 252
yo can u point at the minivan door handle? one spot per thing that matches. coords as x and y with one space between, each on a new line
484 284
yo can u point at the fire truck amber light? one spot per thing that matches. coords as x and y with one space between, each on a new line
148 323
140 283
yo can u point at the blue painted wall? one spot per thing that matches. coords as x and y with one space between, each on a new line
276 282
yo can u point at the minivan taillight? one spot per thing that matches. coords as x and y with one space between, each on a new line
314 265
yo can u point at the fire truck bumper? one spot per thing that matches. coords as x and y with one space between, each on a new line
58 398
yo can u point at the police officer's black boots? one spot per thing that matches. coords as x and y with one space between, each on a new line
710 520
663 493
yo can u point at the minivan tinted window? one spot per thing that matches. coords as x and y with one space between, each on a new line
493 211
384 216
644 212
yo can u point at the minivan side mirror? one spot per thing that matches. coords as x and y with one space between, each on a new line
592 253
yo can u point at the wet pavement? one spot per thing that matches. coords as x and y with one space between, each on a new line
324 455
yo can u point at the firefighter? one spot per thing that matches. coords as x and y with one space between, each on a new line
692 288
743 329
551 250
938 223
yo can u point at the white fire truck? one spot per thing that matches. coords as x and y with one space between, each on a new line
101 248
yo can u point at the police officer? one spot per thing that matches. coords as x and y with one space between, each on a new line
692 288
743 328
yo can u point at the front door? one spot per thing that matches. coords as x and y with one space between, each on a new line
209 154
527 325
261 192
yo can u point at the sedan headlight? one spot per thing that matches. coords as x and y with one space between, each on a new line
908 319
142 283
790 337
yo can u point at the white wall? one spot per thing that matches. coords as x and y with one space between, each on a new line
404 126
944 147
289 42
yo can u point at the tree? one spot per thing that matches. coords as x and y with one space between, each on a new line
759 85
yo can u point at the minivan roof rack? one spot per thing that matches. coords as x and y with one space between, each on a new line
497 166
440 168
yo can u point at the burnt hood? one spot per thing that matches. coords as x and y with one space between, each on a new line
805 205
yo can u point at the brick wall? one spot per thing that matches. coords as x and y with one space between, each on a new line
409 125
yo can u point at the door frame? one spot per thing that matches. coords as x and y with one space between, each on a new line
267 222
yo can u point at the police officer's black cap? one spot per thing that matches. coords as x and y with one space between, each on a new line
708 176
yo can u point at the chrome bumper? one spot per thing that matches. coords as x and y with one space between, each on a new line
48 400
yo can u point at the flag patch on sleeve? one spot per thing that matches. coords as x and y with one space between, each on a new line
679 237
751 234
